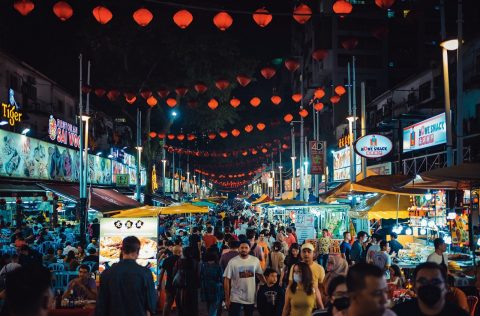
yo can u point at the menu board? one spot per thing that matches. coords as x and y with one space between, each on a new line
305 225
114 230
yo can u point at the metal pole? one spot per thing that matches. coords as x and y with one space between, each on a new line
87 107
363 124
302 179
81 179
460 85
354 123
280 167
294 189
349 90
164 163
139 150
173 174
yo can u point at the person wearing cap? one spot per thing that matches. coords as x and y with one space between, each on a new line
239 281
318 272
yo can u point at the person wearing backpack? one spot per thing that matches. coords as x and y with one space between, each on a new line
211 281
186 283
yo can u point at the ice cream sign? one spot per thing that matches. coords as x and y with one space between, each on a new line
430 132
373 146
63 132
10 111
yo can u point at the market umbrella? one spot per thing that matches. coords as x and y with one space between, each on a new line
465 176
144 211
183 209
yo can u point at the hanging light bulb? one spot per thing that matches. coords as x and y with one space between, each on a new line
448 240
423 231
431 223
423 222
428 196
408 231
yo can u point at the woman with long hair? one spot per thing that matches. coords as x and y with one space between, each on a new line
70 261
301 295
187 297
292 258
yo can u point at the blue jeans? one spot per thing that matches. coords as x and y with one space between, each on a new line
235 309
215 307
323 260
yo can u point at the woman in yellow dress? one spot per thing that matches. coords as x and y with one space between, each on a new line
300 296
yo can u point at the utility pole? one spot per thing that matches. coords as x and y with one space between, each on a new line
363 124
460 85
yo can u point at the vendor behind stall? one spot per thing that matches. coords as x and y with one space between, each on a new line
439 256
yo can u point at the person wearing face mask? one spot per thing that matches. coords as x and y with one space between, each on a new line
367 292
337 297
431 289
301 293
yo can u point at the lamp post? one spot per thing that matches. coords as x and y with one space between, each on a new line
164 165
294 189
350 120
446 46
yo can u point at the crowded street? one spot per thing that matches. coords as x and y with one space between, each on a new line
212 157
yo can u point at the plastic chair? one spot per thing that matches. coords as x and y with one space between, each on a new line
92 265
60 280
472 304
56 267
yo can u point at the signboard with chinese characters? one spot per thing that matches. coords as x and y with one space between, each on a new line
10 112
317 156
345 141
305 225
341 164
373 146
63 132
430 132
114 230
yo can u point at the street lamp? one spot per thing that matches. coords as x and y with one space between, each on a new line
446 46
25 131
164 165
350 120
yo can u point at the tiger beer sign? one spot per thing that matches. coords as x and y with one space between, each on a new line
317 155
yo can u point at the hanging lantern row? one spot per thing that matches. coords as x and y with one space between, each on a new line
226 175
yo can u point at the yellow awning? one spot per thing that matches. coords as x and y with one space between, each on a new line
153 211
386 207
261 199
183 209
144 211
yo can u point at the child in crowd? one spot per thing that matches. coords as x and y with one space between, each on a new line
270 296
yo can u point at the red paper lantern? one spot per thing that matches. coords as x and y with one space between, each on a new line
200 87
112 95
302 13
262 17
182 19
24 7
254 151
130 97
180 137
86 89
297 97
212 136
235 132
235 102
152 101
213 104
163 93
255 101
318 106
292 64
171 102
276 99
288 118
350 43
342 7
285 146
248 128
244 153
181 91
223 134
222 21
384 4
243 80
100 92
152 134
146 94
261 126
268 72
335 99
264 150
320 54
191 137
161 135
340 90
303 113
171 136
63 10
143 17
222 84
102 14
319 93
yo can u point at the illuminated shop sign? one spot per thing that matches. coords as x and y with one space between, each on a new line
10 111
425 134
341 164
373 146
63 132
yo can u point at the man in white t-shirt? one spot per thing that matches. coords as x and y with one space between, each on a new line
382 259
439 256
374 247
239 281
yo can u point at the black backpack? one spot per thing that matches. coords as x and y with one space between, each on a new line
179 277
